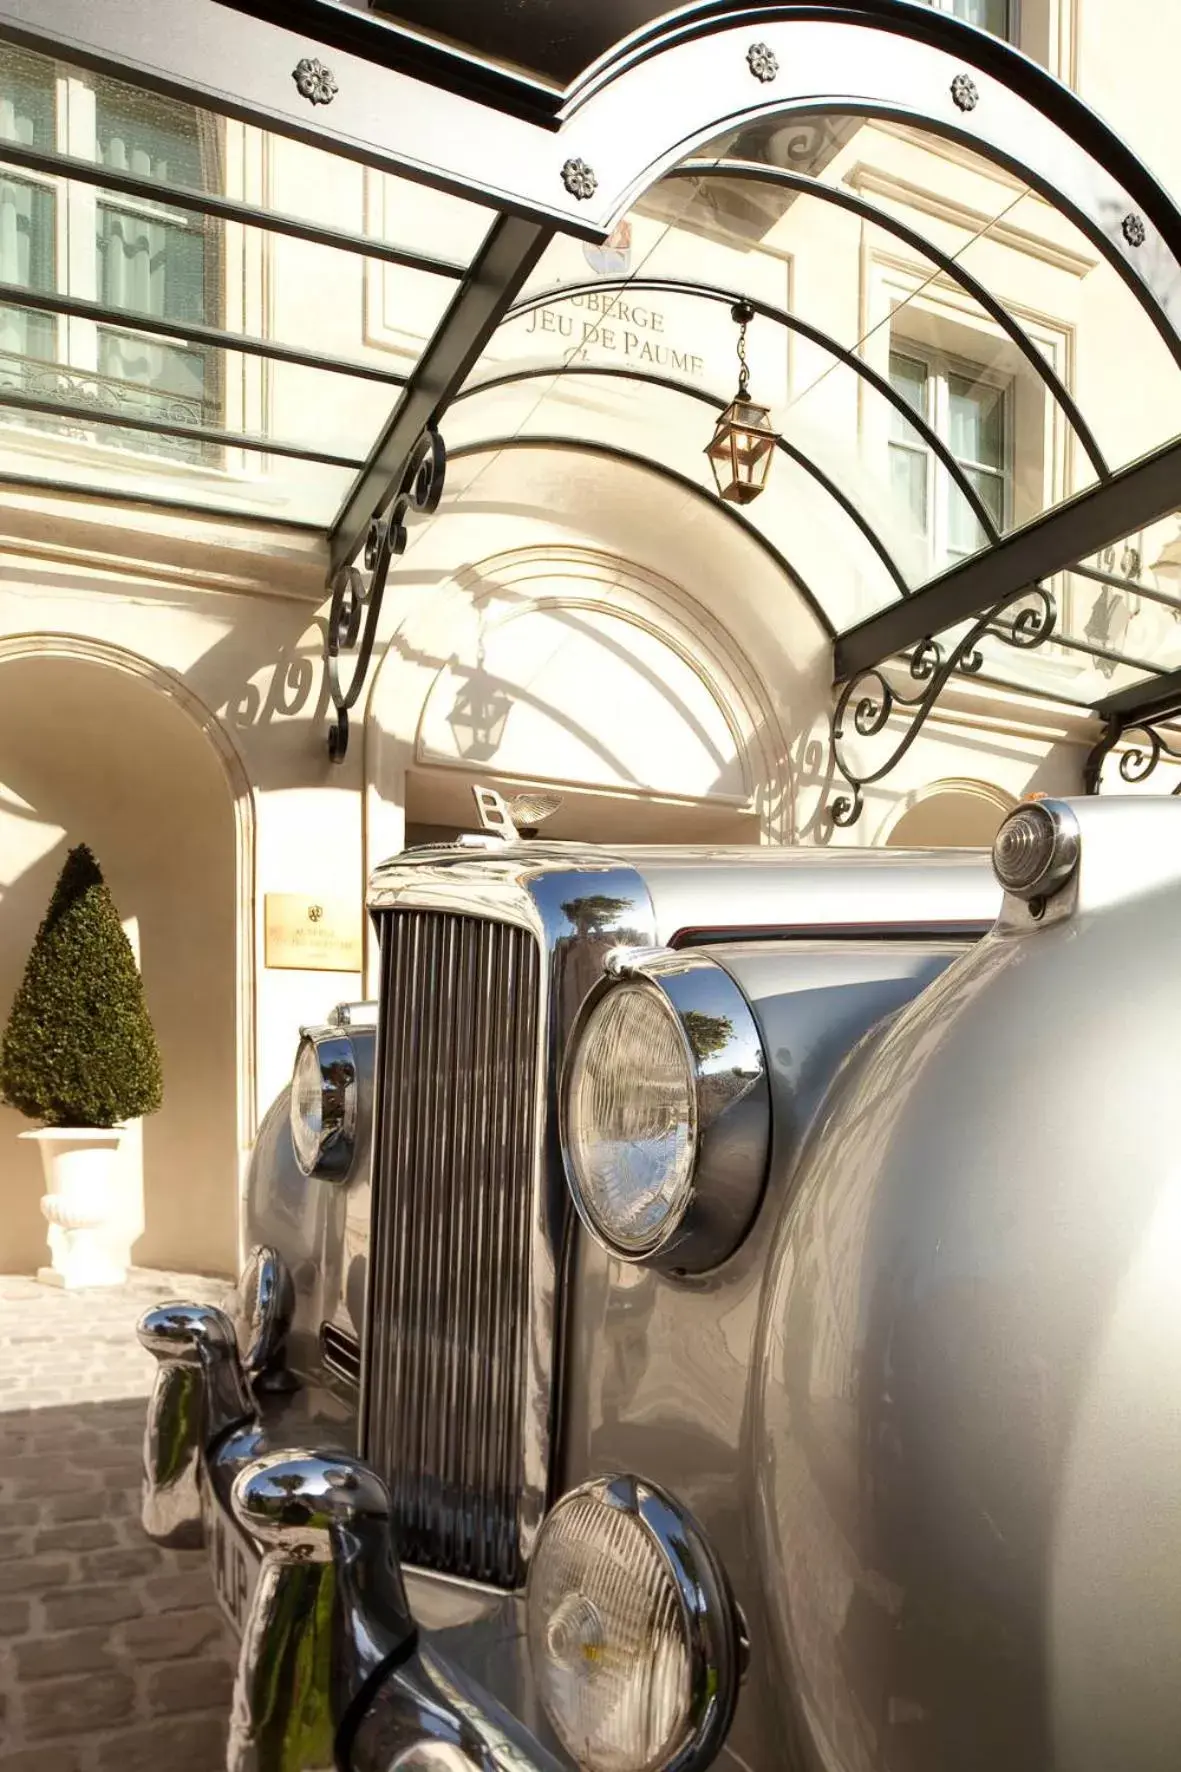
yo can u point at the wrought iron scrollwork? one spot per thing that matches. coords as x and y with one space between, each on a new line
358 591
873 699
1140 758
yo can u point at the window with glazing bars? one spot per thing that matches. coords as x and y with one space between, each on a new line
990 15
147 256
969 411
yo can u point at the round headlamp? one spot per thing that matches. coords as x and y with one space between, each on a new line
666 1113
632 1118
324 1104
633 1636
1036 849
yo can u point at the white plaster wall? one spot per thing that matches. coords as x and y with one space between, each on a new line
88 753
217 635
564 530
225 619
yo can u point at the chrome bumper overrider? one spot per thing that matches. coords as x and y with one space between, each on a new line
332 1671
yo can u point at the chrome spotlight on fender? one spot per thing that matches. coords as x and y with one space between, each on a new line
666 1112
324 1102
262 1312
634 1640
1036 850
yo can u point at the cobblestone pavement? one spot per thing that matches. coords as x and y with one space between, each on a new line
113 1654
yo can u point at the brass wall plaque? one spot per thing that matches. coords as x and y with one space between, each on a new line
313 934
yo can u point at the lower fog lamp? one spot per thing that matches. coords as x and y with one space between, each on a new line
633 1635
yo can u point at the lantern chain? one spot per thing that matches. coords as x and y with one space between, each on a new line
742 313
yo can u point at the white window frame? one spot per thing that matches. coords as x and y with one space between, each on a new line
1012 31
76 255
941 366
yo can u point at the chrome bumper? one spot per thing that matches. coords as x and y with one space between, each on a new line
332 1671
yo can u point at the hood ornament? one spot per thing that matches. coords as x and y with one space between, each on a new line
515 819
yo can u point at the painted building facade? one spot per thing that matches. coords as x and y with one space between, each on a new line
582 614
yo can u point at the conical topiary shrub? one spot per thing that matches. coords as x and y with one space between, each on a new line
79 1049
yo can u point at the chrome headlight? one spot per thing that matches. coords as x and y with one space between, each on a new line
633 1638
666 1113
324 1103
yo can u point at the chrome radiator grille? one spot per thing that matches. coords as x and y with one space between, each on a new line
447 1340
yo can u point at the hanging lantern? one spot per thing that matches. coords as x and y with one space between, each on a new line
740 453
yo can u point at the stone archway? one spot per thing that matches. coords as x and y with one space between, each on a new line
953 814
574 669
92 750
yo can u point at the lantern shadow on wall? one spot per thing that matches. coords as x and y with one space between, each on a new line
479 715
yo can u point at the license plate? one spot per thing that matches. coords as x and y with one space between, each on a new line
233 1563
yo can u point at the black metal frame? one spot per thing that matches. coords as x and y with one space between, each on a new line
1142 709
109 178
841 197
473 125
632 458
874 698
716 403
409 456
497 272
194 333
78 412
357 598
804 329
1131 499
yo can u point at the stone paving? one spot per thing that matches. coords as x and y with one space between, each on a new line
113 1654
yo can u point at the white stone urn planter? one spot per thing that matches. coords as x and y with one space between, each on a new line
87 1240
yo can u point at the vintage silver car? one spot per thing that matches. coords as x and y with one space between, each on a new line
719 1306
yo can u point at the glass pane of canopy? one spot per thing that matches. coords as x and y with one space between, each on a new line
193 308
966 297
141 238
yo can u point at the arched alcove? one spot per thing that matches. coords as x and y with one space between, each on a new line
566 667
96 747
957 814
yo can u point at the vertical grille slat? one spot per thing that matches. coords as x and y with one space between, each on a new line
453 1188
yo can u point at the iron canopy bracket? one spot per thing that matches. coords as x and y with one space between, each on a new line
358 590
1025 619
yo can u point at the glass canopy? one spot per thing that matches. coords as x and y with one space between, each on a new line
203 311
197 309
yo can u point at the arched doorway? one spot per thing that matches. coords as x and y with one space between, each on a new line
950 815
93 753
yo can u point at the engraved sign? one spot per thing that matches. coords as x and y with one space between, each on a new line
313 934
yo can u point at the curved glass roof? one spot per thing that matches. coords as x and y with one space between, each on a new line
197 309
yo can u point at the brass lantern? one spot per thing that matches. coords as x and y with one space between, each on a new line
740 453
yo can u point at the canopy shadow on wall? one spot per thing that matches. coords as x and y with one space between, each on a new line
272 425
